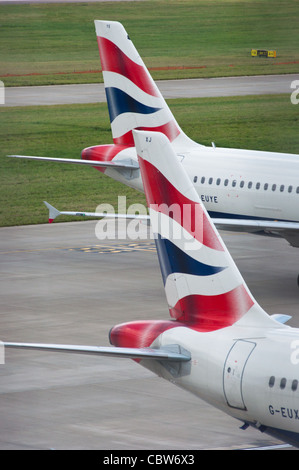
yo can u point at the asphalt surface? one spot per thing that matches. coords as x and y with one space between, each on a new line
60 283
192 88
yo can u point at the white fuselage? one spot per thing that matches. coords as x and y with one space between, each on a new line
249 373
235 183
247 183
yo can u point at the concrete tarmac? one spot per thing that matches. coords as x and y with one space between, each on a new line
60 283
191 88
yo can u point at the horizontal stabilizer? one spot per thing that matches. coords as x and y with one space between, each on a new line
93 163
171 353
53 213
248 225
287 230
280 228
281 318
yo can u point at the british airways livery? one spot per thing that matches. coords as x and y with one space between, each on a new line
243 190
218 343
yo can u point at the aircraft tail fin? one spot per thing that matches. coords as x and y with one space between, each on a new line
134 101
203 286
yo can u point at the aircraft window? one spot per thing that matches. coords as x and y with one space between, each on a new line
273 187
282 188
250 184
234 182
225 182
283 383
290 189
210 180
242 184
297 190
294 385
218 181
195 179
266 186
272 381
258 185
202 180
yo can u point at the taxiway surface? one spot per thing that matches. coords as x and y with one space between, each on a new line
191 88
60 283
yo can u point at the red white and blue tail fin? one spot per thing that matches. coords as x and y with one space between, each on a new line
134 101
203 286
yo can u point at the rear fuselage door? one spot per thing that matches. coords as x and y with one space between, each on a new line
233 372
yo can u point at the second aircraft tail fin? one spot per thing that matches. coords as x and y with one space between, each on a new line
134 100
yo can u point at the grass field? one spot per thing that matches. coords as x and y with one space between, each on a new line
253 122
55 43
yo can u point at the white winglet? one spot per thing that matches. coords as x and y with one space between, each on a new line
53 213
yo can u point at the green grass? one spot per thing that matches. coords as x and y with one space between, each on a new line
38 42
268 122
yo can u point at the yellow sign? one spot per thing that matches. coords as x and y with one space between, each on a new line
262 53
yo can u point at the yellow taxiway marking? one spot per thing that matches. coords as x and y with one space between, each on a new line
117 248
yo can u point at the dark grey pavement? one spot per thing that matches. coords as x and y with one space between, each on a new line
59 283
